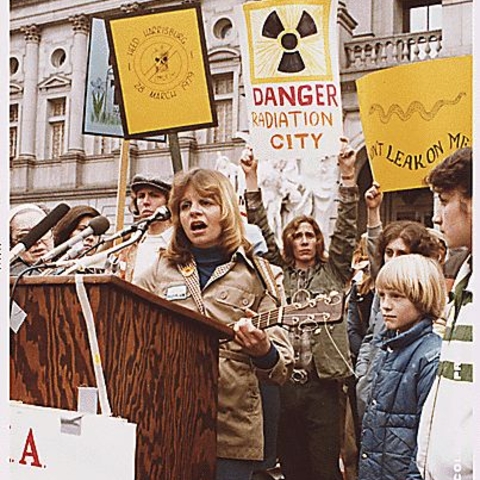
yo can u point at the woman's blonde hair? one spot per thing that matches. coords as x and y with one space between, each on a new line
417 278
211 184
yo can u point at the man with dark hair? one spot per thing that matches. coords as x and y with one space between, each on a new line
445 438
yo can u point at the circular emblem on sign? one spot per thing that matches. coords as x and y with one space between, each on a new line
161 63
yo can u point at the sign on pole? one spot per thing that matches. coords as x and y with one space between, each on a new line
101 115
160 62
295 120
413 116
290 66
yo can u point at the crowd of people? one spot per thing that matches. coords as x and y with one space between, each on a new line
375 395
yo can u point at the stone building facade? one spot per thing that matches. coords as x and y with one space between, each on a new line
52 161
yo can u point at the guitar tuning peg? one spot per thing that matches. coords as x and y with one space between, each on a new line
317 331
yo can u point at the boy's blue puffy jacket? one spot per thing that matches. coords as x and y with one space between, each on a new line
404 370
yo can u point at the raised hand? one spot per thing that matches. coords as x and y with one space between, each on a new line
373 200
346 162
249 166
374 196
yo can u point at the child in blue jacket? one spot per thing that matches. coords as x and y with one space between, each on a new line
412 295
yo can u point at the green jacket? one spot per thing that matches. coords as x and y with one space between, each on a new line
325 276
330 351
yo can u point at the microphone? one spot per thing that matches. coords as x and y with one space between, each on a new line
96 226
161 214
39 230
73 252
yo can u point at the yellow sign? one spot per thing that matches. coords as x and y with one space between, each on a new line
413 116
289 40
163 76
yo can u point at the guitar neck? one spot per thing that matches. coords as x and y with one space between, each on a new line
317 311
269 318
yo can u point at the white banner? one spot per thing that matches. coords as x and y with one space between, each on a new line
291 76
292 89
53 444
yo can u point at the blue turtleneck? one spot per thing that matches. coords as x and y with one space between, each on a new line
208 259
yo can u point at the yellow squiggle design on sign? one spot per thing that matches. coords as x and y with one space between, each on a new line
415 106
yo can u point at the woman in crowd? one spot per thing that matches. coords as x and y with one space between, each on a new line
73 223
23 218
208 267
360 297
310 419
411 289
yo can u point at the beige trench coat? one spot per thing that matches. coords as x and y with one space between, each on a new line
232 287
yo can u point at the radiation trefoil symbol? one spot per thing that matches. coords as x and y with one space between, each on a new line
291 60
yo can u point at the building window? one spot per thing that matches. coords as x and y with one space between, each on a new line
422 16
223 29
56 122
223 94
14 65
13 130
58 57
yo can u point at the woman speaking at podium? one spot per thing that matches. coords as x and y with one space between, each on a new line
208 267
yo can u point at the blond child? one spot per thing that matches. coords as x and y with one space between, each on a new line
412 296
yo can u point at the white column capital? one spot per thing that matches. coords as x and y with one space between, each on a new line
32 33
80 23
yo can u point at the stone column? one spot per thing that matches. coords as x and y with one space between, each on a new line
345 24
30 93
457 31
77 92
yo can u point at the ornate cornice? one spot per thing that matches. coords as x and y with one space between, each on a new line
130 7
15 89
54 81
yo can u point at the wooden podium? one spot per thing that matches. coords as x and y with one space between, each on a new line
160 362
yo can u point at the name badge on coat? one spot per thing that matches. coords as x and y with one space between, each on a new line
177 292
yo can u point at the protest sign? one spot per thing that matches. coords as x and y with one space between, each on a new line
101 114
160 62
292 89
413 116
290 65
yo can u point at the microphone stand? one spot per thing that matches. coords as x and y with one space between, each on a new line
138 234
102 256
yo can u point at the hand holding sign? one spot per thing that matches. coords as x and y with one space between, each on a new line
373 201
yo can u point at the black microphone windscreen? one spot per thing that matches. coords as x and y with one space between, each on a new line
41 228
99 224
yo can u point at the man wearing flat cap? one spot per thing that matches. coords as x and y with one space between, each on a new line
147 192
